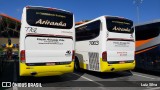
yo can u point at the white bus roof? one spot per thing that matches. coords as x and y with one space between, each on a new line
49 7
99 18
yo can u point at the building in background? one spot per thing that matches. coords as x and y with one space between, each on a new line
9 36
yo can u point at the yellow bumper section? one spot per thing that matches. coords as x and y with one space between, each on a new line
105 67
39 71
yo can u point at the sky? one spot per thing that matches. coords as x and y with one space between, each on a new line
149 10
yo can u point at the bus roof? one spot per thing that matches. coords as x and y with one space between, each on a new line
81 22
47 8
148 22
104 16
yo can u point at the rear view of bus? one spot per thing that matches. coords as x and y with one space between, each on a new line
46 42
120 45
105 44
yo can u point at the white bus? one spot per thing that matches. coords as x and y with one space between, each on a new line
47 38
105 44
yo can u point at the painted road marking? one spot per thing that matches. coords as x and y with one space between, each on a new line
101 85
89 79
143 76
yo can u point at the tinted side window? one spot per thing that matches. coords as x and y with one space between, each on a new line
149 31
89 31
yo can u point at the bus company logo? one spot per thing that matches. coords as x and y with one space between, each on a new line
68 53
47 22
121 29
6 84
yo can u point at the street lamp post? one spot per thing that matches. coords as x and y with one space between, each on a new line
137 3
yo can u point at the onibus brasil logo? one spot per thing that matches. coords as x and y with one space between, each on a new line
13 84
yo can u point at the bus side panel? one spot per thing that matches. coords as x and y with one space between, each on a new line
147 53
82 63
88 54
149 58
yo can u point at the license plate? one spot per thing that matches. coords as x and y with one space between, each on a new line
49 64
121 62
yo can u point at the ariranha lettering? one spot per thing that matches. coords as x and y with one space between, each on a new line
47 22
121 29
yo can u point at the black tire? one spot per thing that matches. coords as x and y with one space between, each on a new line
76 65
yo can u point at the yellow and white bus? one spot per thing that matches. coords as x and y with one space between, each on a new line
105 44
47 38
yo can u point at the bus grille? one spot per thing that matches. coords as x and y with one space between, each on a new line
93 61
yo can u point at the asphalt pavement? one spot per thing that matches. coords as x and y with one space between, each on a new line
82 80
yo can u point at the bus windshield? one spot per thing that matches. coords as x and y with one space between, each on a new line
119 25
49 18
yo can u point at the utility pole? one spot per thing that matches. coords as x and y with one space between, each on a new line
137 3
